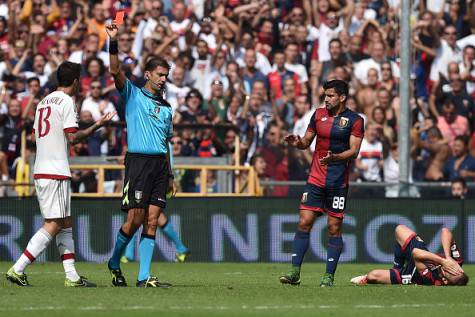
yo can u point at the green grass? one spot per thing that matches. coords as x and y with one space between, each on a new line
203 289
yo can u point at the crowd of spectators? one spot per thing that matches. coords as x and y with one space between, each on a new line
253 69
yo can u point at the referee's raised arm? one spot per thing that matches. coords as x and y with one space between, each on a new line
119 77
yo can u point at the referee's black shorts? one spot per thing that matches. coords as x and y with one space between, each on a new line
145 182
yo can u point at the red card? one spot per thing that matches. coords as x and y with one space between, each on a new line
119 17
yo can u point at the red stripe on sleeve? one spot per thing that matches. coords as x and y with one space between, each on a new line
358 128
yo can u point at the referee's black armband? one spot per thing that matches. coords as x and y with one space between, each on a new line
114 47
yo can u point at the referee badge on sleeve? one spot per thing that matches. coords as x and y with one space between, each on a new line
138 196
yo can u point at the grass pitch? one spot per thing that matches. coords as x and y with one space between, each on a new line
203 289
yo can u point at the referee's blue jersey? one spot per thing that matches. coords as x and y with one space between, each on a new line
149 120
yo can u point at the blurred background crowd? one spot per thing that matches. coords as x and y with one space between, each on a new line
252 70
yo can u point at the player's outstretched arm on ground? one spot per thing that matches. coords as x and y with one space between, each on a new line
76 137
119 77
448 264
298 142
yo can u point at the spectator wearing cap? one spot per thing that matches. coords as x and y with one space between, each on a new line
217 105
206 33
461 164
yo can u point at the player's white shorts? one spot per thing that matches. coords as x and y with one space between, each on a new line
54 197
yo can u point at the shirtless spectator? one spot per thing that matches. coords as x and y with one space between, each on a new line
367 96
438 149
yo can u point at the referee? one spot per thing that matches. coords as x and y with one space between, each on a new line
148 174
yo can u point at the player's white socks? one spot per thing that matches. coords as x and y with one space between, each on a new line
65 243
35 247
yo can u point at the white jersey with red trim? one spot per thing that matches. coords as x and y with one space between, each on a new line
55 116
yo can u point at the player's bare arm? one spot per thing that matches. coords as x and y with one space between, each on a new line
301 143
350 154
446 239
76 137
448 264
119 77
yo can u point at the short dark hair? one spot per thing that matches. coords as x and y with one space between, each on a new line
337 40
194 93
340 86
32 79
460 180
463 138
67 73
462 281
154 62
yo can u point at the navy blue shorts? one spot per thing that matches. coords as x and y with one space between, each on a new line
408 271
329 200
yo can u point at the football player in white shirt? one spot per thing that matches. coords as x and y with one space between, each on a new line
55 126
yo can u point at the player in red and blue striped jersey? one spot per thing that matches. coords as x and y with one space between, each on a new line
339 133
414 264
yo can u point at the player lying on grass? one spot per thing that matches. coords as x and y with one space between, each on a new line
414 264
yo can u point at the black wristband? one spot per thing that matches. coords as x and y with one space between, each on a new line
113 47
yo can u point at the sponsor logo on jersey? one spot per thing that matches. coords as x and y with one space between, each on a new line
324 119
